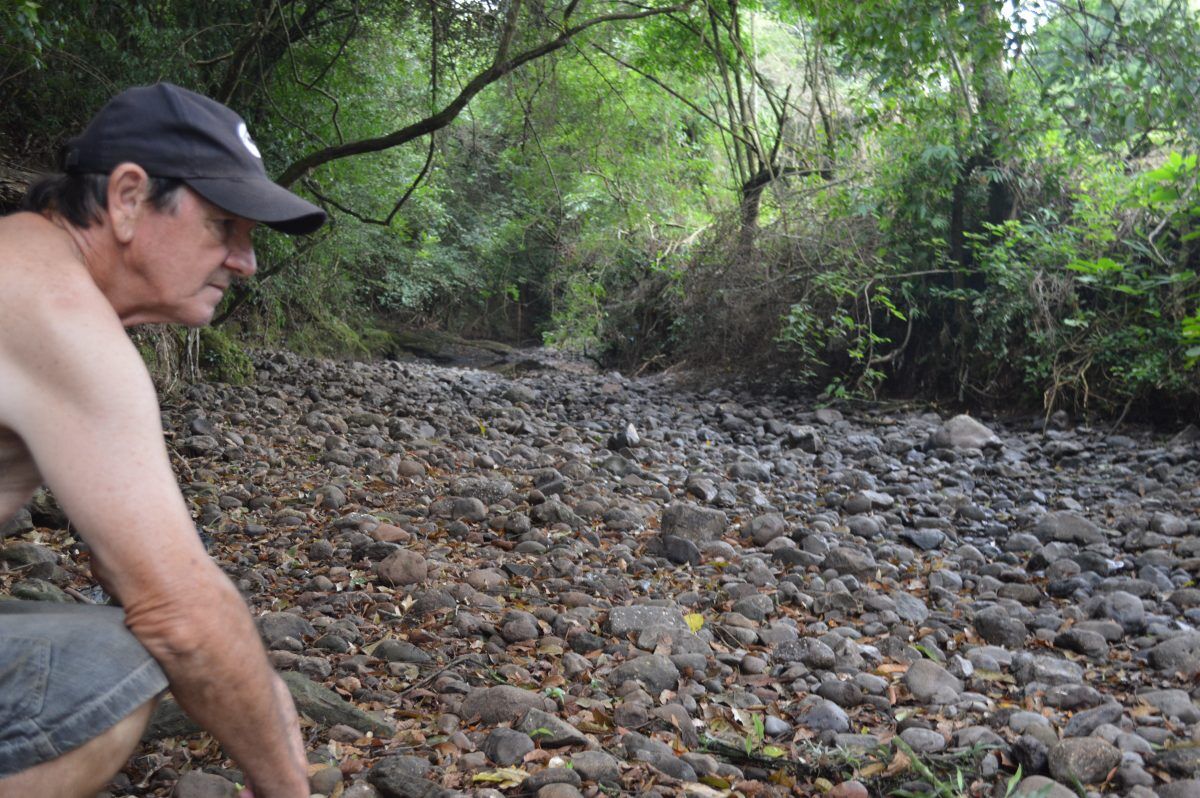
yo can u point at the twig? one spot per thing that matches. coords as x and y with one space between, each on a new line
427 679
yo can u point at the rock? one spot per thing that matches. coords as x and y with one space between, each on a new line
1031 753
1082 641
404 777
812 652
195 784
507 746
1042 787
548 730
1088 759
459 508
40 590
169 720
623 620
819 563
823 715
1182 762
597 766
392 650
517 626
1184 788
1045 669
325 781
930 683
964 432
1068 527
1180 653
694 523
655 671
1084 723
19 524
564 776
1126 609
999 628
765 528
23 555
757 607
402 568
658 754
1172 704
849 789
844 694
500 704
275 626
850 561
680 551
328 708
923 741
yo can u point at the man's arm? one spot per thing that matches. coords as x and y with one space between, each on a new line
74 388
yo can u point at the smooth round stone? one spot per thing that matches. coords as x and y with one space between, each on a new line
923 741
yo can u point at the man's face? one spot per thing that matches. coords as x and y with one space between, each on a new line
186 257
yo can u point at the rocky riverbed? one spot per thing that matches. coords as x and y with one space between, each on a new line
564 583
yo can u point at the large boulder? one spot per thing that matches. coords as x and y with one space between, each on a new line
694 523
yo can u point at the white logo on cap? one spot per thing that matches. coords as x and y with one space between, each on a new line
244 135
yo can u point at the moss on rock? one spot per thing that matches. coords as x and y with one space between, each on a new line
223 359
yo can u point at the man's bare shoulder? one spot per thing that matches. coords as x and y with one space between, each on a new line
40 269
59 335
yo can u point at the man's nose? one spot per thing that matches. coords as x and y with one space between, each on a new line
241 260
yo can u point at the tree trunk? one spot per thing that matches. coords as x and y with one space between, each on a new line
749 207
990 86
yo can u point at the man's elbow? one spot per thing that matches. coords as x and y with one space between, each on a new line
181 624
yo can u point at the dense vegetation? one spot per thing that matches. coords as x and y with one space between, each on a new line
984 201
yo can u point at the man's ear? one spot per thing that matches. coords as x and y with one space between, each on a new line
128 193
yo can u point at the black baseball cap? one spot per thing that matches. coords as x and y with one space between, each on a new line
173 132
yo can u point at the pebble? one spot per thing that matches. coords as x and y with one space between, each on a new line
195 784
930 683
505 746
1088 759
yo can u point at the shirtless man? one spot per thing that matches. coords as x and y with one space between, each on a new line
150 223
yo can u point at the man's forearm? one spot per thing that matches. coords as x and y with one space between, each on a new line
220 675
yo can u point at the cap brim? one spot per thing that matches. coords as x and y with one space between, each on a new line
262 201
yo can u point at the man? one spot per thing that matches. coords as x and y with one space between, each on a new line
150 223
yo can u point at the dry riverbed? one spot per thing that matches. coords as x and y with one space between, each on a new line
563 583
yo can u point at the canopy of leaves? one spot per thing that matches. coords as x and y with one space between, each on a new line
982 200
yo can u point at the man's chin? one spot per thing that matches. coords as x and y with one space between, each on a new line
202 317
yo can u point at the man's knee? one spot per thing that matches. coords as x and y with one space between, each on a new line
128 732
83 771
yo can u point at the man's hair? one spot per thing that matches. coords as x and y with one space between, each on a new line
79 198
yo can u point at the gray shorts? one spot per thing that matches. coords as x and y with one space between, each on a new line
68 673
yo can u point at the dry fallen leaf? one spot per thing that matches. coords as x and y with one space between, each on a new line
503 778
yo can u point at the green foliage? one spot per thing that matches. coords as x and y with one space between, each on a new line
21 23
1116 71
223 359
977 203
1095 311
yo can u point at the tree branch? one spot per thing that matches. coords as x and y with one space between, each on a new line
442 118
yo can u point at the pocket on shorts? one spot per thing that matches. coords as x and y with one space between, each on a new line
24 671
